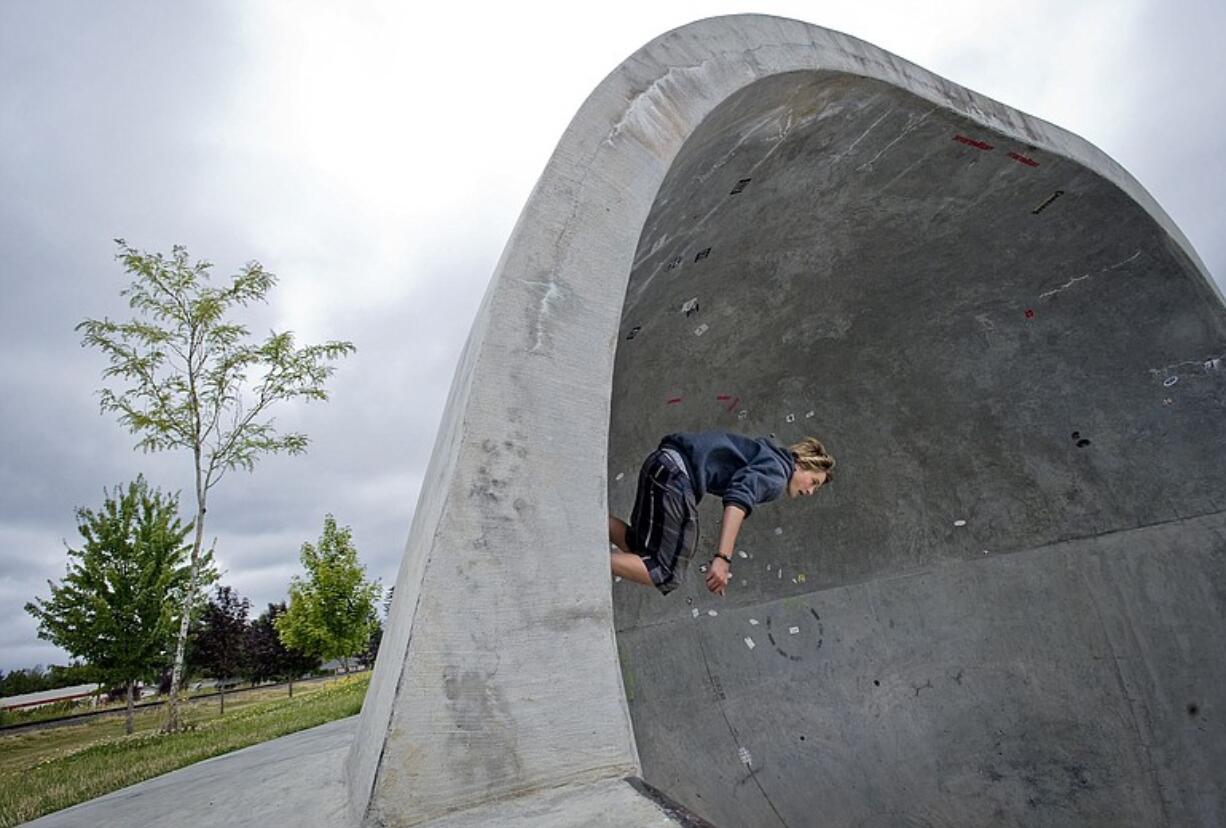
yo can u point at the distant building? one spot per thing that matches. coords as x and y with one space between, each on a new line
29 701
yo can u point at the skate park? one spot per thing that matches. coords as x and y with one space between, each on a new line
1008 607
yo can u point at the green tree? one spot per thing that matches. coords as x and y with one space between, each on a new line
332 612
219 642
192 380
117 608
35 679
268 659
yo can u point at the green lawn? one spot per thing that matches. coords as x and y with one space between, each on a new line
44 771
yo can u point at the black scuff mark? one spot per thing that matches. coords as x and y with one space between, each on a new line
706 664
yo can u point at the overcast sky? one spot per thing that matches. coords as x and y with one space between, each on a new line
375 155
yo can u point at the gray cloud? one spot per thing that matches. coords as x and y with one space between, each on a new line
117 119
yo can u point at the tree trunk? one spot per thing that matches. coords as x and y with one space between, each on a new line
222 687
176 675
127 725
291 688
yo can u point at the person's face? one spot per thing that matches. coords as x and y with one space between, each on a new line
805 483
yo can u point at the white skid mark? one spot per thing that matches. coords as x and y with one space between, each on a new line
907 130
844 153
552 293
655 248
749 642
744 756
1084 276
1066 285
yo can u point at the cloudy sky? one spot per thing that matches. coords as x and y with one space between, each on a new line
375 157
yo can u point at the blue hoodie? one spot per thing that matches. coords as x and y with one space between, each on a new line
745 471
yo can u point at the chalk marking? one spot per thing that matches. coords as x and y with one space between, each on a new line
1209 364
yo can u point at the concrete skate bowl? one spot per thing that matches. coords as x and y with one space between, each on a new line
1008 608
1004 606
1003 609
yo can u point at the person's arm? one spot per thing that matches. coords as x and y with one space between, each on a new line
720 571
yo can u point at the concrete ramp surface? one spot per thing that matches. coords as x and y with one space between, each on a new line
1009 607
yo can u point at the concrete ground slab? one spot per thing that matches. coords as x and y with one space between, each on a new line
298 780
294 780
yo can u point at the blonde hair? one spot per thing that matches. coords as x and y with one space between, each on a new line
810 455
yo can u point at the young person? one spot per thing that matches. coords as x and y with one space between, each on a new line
656 547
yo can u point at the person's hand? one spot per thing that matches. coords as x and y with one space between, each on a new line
718 575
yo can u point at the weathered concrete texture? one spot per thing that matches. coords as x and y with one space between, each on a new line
295 780
874 270
299 780
1009 607
610 803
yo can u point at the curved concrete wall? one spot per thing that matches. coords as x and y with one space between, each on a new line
996 614
499 675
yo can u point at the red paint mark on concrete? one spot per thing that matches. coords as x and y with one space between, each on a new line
674 401
723 396
1029 313
1021 159
732 405
971 142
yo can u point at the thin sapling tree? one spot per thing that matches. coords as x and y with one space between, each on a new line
188 377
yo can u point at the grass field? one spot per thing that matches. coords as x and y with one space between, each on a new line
44 771
60 710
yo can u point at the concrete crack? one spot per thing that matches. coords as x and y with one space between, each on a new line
732 731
